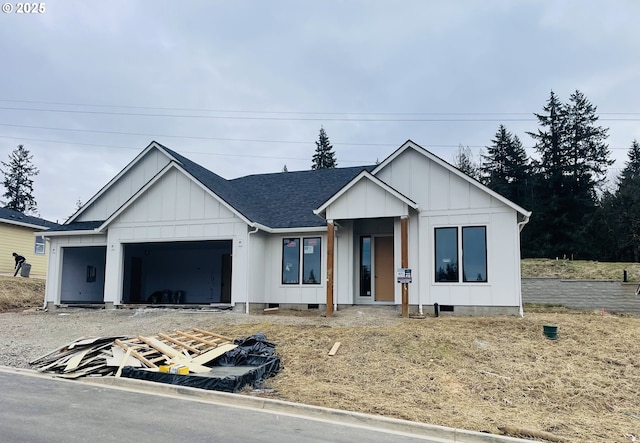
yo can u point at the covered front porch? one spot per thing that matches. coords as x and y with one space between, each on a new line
367 243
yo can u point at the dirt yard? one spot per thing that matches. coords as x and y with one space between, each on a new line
480 373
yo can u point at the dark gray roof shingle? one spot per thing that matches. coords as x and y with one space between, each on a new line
11 215
277 200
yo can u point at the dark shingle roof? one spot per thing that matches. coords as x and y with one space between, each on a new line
287 199
13 216
278 200
79 226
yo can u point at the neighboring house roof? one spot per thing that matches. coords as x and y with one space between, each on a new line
19 219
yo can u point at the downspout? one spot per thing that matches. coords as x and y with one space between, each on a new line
246 306
335 260
520 228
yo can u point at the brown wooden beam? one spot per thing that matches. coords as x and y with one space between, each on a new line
330 236
404 245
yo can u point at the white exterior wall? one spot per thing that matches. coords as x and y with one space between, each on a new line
345 274
125 187
275 291
257 268
54 271
175 209
445 199
365 199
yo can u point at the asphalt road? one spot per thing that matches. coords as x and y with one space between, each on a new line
42 409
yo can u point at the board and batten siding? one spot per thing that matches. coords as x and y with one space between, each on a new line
118 192
21 239
445 199
366 199
173 209
277 292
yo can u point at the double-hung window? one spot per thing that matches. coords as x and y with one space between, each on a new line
40 246
473 252
301 261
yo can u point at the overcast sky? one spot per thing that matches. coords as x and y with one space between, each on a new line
243 87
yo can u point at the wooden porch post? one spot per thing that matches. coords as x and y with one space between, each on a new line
330 235
404 245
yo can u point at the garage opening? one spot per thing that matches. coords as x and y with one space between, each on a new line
83 274
177 272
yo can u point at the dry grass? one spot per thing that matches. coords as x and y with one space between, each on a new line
476 373
472 373
579 269
20 293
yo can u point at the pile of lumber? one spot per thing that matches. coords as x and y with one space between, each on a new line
104 356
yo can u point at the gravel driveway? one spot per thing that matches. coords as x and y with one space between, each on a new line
25 336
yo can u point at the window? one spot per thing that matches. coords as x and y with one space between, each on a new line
310 255
446 254
311 260
365 266
474 254
291 261
91 274
40 245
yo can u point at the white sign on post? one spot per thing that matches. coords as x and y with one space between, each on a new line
403 275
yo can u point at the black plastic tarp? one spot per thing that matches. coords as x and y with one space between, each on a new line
255 358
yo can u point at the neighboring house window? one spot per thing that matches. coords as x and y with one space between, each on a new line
474 254
365 266
310 255
40 245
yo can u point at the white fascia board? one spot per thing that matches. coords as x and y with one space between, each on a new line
411 145
365 175
269 230
158 176
69 233
22 224
152 145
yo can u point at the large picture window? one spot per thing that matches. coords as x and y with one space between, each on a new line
302 264
473 252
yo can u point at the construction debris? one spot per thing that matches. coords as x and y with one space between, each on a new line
178 354
334 349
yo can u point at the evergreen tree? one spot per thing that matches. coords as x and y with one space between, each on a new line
463 160
324 158
18 182
505 167
628 205
573 160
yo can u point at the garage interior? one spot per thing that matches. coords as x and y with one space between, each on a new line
190 272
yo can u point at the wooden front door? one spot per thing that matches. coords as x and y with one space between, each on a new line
383 268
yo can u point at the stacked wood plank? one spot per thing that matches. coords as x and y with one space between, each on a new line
104 356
